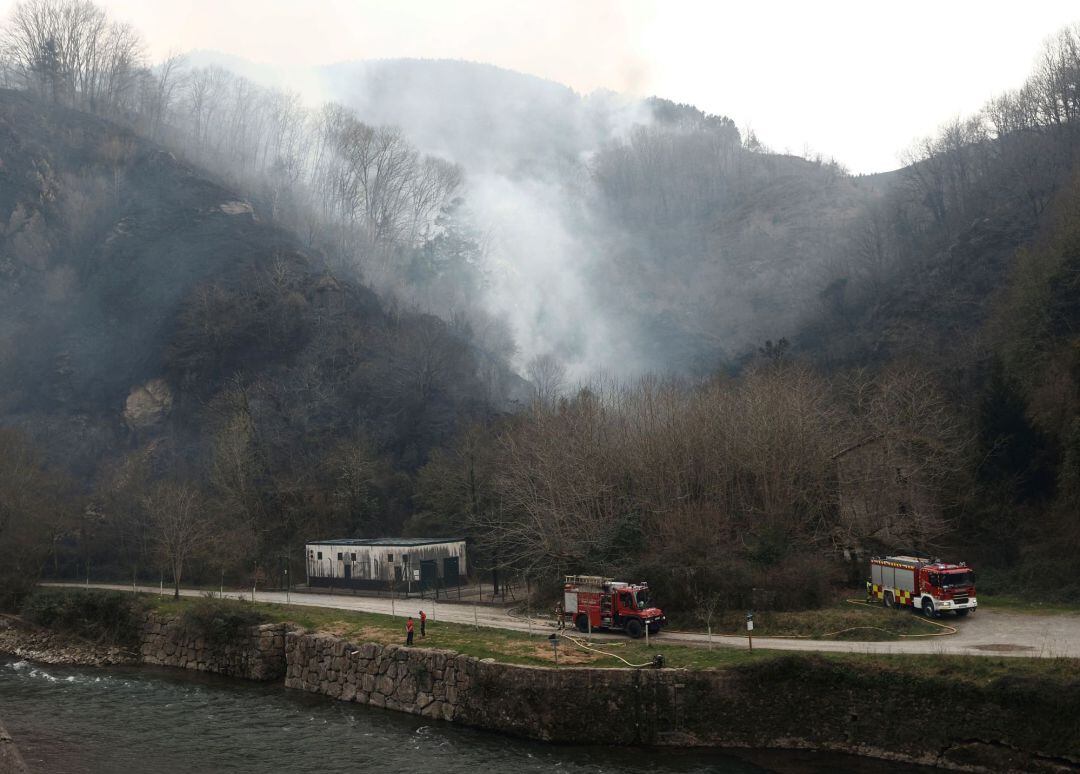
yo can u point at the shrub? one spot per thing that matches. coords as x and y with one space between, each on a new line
220 621
101 616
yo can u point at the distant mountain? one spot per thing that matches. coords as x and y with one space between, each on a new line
485 117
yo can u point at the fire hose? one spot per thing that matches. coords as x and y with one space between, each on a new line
514 613
581 644
948 629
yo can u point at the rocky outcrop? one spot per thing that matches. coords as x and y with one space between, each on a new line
254 653
147 405
10 760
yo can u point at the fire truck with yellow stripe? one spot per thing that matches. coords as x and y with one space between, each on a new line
929 585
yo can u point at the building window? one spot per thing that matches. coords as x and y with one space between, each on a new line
339 556
354 557
389 557
320 555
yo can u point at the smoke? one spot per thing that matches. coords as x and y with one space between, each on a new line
622 235
540 276
525 145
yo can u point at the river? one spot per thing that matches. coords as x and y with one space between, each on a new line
80 720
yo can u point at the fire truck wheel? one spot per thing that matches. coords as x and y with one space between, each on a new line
582 623
928 609
634 628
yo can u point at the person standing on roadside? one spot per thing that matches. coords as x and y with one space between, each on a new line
409 632
423 624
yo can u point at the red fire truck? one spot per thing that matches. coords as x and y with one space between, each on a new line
591 602
930 585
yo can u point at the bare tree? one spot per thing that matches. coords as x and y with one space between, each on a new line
158 94
180 525
548 375
69 51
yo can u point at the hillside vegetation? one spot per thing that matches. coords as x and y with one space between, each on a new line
162 342
230 323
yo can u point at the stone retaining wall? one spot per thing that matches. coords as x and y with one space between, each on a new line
800 701
432 683
257 653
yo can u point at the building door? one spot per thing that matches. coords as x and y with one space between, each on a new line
450 571
348 570
429 573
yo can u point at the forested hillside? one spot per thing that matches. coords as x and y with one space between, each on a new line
160 335
599 335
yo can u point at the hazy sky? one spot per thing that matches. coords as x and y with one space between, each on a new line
855 80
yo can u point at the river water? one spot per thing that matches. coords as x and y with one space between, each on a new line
79 720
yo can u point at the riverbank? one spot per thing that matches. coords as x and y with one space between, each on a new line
33 643
1008 714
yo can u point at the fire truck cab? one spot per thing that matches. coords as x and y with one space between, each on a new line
591 602
929 585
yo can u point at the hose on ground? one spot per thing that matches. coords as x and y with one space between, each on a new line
515 613
582 645
948 629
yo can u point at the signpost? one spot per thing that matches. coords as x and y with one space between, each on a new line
750 628
554 639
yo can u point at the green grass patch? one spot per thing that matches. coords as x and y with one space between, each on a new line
500 644
518 648
841 621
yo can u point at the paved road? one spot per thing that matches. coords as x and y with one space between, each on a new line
984 633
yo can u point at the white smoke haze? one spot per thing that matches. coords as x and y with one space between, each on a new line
539 282
525 144
620 235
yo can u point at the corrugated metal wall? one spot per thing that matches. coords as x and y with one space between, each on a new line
381 563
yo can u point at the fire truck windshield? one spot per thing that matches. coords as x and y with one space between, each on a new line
957 578
642 599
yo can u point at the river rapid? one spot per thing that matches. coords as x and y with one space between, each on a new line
80 720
